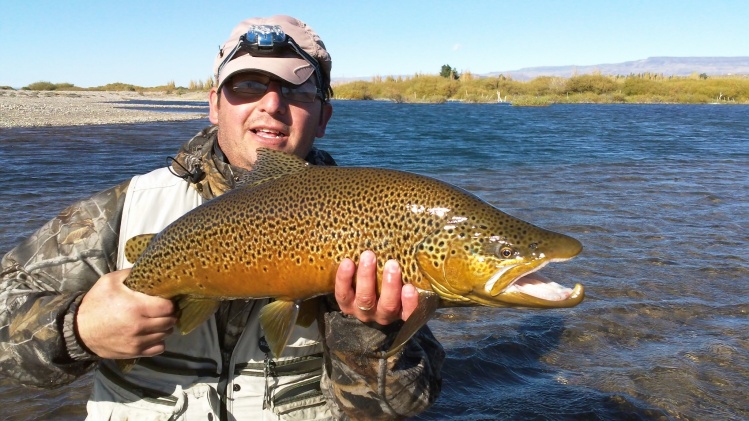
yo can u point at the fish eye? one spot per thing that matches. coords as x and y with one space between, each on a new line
506 252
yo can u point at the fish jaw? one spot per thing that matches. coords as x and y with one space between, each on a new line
499 270
521 285
535 290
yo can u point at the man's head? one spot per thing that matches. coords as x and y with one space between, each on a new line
272 88
260 44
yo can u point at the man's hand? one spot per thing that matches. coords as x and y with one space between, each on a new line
356 291
116 322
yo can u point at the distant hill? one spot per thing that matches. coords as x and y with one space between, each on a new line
668 66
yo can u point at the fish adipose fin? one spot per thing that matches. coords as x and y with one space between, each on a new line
278 319
194 311
270 165
135 246
428 304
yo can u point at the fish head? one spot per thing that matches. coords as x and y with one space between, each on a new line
491 260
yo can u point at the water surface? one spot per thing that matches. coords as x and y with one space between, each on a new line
658 194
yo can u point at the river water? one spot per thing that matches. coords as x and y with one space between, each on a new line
658 195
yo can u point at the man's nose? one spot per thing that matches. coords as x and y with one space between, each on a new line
273 101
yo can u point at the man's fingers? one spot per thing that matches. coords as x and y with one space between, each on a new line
158 325
356 291
389 305
114 321
150 345
344 290
409 300
156 307
366 282
154 350
151 306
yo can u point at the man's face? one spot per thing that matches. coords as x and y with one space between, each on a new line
268 120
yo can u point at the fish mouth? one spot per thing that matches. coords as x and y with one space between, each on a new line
528 288
532 289
536 290
522 285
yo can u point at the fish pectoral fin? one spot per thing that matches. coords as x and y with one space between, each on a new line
135 246
308 311
277 320
194 311
429 302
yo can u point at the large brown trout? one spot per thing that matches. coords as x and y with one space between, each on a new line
284 232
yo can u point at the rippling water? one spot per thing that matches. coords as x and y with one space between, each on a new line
658 194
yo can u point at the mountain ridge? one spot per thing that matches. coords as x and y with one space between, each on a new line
666 65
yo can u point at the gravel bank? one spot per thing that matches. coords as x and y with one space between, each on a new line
75 108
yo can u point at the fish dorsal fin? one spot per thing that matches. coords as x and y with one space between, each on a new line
135 246
270 165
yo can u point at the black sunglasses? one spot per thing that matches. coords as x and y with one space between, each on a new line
257 87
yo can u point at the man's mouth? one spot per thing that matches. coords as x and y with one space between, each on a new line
268 133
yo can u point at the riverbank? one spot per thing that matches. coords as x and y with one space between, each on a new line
547 90
76 108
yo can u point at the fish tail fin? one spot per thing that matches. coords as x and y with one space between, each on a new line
278 319
428 304
194 311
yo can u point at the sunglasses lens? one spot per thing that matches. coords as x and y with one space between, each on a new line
306 92
250 88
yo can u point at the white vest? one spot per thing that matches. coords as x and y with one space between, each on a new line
184 382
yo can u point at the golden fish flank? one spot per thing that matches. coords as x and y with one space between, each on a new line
283 234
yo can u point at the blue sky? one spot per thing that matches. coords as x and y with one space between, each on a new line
149 43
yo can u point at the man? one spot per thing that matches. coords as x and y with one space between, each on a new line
64 308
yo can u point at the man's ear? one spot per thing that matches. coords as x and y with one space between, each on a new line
213 99
325 114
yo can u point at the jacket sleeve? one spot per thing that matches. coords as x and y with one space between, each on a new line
43 280
363 387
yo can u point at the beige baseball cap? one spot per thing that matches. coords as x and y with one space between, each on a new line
289 66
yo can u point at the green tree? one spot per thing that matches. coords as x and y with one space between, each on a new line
448 72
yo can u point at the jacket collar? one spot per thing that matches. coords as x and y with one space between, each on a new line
202 162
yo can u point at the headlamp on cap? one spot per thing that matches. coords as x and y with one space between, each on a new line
272 41
265 38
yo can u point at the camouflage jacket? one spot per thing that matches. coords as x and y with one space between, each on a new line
43 280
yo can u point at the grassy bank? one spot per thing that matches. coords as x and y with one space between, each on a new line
169 88
644 88
595 88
